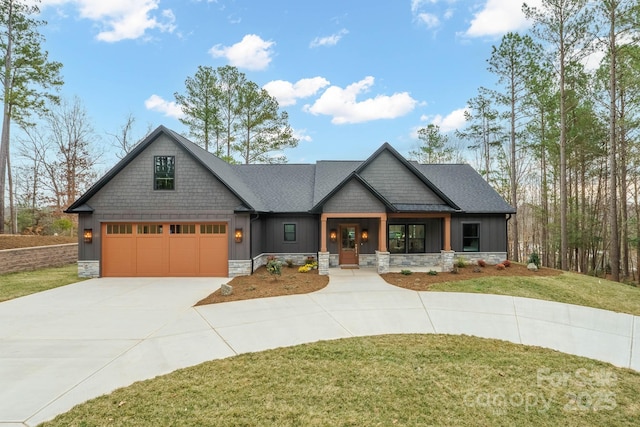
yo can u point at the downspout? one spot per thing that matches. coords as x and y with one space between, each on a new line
506 232
251 238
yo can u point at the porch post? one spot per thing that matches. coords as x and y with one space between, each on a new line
382 242
447 232
323 233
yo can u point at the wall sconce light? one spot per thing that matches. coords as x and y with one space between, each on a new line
88 235
365 235
238 235
333 235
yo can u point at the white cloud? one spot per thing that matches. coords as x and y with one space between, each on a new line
122 19
429 19
251 52
288 93
343 106
301 135
168 108
331 40
498 17
454 120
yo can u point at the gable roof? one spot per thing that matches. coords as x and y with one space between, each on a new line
298 188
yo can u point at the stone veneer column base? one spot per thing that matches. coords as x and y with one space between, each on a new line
89 269
239 267
382 260
447 260
323 263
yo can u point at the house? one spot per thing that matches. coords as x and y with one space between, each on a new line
170 208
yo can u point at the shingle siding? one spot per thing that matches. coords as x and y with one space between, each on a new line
353 197
397 183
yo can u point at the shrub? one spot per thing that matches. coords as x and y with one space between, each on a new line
500 266
310 260
432 273
482 263
506 263
461 262
289 262
534 258
455 270
274 266
406 272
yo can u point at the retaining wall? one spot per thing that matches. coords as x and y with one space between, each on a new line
24 259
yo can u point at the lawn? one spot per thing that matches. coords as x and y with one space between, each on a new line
400 380
551 285
14 285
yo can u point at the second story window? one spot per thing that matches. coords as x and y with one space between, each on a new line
164 172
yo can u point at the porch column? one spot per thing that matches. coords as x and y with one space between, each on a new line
447 232
382 241
323 233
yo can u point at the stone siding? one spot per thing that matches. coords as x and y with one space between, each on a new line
88 269
24 259
415 260
239 268
298 259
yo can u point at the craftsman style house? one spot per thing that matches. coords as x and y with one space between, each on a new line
170 208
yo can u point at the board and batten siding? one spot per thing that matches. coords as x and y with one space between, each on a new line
272 234
129 197
493 231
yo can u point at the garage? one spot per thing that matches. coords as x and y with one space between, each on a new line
164 249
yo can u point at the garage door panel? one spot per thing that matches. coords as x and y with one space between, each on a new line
119 248
183 256
214 255
150 256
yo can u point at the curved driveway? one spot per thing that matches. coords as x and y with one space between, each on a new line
61 347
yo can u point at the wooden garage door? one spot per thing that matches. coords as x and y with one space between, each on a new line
169 249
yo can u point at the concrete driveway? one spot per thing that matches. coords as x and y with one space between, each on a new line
64 346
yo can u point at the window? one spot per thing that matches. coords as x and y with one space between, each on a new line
149 228
119 229
289 232
397 239
213 229
415 235
164 172
471 237
182 229
406 238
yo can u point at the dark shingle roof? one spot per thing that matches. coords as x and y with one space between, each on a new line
466 188
296 188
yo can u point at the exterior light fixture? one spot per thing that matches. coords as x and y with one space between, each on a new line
238 235
365 235
88 235
333 235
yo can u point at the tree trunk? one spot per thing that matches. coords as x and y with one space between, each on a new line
614 255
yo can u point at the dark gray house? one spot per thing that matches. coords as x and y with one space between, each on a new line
170 208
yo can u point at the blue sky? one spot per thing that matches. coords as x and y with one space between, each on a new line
351 74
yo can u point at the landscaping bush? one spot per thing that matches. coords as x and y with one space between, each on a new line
432 273
482 263
461 262
500 266
506 263
534 258
406 272
274 266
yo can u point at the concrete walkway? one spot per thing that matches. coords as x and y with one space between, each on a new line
64 346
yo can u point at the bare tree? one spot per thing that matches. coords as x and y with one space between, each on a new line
125 140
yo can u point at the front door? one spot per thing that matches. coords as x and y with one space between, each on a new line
349 242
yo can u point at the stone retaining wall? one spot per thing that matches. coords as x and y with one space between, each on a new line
24 259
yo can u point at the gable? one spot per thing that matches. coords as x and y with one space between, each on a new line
132 188
353 197
396 183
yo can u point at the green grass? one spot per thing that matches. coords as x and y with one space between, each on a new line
399 380
14 285
570 288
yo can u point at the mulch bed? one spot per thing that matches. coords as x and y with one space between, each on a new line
261 284
421 281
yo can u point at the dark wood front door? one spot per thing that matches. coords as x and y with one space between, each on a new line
349 242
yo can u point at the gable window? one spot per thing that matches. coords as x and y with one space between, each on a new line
471 237
289 232
164 172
